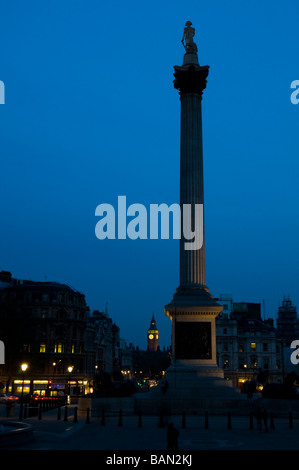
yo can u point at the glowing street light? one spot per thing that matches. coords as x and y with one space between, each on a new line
70 369
24 367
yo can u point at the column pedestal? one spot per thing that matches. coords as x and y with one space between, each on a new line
193 312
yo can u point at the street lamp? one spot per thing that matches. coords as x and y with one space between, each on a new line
54 368
70 369
24 367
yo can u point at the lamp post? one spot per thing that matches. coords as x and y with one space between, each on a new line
54 369
24 367
70 370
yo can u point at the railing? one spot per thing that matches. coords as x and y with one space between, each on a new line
40 405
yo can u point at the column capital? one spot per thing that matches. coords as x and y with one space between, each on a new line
190 78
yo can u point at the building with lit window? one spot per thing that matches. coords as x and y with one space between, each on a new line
48 326
287 330
43 325
247 347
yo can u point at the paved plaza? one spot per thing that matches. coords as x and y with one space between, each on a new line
53 434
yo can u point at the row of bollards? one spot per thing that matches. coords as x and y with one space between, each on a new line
206 420
161 420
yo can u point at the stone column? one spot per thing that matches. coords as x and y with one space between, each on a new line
193 309
190 80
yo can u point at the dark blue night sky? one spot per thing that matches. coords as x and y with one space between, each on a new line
91 114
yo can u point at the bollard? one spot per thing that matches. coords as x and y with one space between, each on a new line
291 420
87 416
161 420
120 421
271 421
229 420
183 420
21 411
65 413
251 421
206 420
58 413
140 419
40 412
76 415
103 418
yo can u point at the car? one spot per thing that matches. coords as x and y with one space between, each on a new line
4 398
27 398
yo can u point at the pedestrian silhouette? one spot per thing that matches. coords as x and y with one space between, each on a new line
164 386
172 438
259 417
250 398
265 416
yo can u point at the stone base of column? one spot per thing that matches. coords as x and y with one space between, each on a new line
193 311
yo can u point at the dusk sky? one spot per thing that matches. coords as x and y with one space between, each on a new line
91 114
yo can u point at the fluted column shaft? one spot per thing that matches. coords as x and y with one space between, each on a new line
190 80
192 262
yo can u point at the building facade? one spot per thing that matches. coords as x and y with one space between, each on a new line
247 346
48 326
287 322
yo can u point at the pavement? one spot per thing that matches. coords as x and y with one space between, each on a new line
53 434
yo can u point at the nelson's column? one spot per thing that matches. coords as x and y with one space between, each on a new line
193 309
195 381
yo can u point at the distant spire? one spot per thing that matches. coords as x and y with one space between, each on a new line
153 325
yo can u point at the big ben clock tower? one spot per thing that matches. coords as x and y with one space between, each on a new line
152 336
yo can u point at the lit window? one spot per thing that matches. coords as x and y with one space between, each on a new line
253 346
58 348
253 362
42 348
73 348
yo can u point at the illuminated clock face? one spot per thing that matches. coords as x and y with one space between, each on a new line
157 336
151 336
